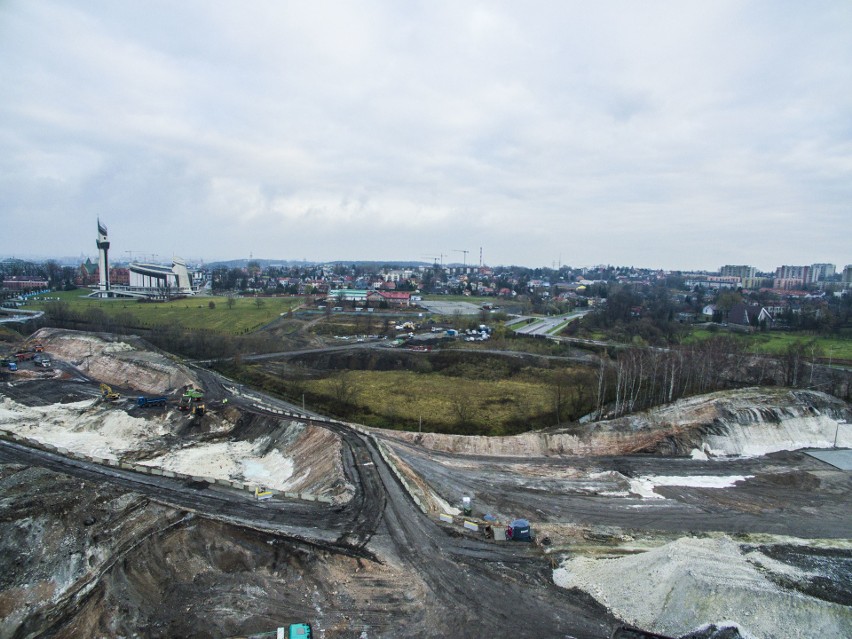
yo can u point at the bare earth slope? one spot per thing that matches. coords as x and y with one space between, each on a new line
120 360
751 421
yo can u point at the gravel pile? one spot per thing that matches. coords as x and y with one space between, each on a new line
691 583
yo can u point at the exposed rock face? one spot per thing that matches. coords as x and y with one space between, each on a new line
751 421
59 535
116 359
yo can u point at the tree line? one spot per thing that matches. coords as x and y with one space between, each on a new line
640 378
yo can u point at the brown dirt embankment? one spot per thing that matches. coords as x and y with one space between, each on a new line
749 421
120 360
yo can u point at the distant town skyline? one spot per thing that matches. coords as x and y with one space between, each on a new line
680 136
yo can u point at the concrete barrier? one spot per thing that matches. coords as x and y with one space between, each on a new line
156 471
307 497
168 473
446 518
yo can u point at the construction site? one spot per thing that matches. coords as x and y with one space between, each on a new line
143 496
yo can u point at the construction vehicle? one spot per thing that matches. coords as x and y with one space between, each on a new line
194 394
296 631
198 409
108 394
38 347
145 402
24 355
190 396
13 366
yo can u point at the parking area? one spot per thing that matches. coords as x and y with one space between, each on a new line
451 308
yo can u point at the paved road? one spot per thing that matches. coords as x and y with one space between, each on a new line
544 325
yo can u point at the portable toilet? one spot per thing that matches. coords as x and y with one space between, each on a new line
519 530
466 508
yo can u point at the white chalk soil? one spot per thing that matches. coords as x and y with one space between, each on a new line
101 431
236 461
746 422
693 582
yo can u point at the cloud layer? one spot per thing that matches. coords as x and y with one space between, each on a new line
661 134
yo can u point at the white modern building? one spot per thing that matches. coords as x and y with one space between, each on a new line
159 279
152 281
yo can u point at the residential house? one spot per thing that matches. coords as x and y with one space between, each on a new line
397 299
754 316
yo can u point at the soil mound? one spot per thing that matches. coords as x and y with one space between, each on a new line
691 583
117 359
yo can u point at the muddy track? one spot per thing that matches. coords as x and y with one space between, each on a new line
309 523
473 587
359 465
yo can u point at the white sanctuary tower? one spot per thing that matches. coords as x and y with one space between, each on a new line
103 260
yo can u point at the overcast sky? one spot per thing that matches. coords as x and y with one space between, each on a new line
673 134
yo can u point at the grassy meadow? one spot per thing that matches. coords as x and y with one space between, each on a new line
834 347
194 313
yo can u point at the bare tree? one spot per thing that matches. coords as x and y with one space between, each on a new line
345 389
461 406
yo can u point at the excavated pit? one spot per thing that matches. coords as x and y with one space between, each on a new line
82 557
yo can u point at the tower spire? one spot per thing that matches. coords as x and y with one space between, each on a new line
102 242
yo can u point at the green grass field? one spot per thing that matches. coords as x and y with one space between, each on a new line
775 342
191 313
401 398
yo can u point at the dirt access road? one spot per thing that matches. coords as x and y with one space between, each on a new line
376 566
469 586
779 494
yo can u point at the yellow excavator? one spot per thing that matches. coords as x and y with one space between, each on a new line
108 394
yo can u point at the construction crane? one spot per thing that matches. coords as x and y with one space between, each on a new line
435 259
464 257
